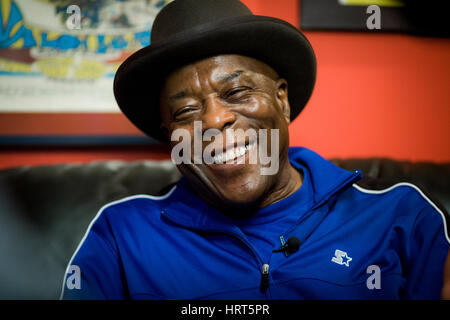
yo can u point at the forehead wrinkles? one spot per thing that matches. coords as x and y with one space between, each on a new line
200 78
249 65
194 80
203 77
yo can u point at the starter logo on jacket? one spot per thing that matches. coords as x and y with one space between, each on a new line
341 257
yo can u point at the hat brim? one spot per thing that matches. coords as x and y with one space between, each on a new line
139 79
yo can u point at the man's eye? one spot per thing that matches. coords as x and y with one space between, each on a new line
183 111
236 93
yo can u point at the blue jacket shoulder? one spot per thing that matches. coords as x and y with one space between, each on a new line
131 208
406 200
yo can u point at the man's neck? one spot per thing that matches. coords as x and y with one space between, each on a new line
290 181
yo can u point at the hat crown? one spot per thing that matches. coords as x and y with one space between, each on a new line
181 15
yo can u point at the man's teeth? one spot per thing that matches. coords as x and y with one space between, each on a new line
231 154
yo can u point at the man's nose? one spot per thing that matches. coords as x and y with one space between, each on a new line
217 116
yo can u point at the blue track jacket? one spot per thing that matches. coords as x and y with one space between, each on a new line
354 244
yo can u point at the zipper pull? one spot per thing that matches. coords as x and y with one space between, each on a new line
265 277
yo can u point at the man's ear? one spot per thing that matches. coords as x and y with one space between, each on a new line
282 98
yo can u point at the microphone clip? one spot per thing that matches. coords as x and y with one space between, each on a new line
289 247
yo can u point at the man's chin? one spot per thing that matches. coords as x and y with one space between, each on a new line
243 190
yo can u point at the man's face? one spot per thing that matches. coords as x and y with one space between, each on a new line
228 92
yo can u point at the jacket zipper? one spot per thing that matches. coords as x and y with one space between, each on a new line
265 278
264 285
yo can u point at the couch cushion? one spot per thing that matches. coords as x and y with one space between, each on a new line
45 211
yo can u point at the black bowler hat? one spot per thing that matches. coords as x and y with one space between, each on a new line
188 30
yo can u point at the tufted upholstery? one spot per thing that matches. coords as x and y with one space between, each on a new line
45 210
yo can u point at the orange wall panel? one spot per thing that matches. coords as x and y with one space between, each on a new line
382 95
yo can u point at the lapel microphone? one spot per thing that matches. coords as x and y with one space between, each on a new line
290 246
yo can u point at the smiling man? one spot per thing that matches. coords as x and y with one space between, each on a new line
228 93
221 86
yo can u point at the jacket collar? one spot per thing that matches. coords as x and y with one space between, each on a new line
326 178
186 209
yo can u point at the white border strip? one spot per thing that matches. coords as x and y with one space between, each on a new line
407 184
144 196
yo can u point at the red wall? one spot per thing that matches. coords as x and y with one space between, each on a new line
384 95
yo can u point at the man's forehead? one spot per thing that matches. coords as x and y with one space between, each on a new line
222 68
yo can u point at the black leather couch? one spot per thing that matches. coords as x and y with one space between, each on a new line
45 210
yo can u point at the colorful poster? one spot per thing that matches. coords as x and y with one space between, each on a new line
61 56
